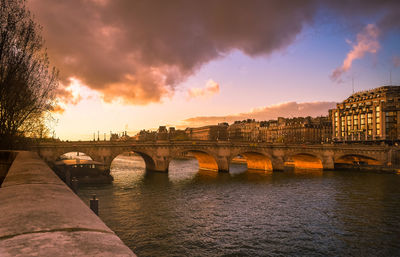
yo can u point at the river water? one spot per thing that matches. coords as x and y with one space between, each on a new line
191 212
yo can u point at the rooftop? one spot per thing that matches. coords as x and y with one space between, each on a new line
377 90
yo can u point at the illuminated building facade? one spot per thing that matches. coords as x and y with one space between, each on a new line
371 115
212 132
297 130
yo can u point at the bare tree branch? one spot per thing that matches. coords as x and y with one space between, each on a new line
27 84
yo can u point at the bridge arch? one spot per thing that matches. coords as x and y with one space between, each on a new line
77 154
59 152
206 160
304 161
357 159
255 160
147 158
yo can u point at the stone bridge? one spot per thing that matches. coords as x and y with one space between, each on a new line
217 155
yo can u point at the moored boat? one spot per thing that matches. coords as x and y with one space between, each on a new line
85 171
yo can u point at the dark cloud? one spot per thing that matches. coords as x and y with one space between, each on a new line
289 109
140 50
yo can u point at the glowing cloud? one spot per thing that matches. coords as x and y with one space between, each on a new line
71 94
367 42
140 51
211 88
58 109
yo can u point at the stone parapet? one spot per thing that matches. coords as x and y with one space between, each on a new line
41 216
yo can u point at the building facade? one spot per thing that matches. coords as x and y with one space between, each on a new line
371 115
246 130
297 130
283 130
212 132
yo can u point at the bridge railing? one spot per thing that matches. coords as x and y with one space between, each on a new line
207 142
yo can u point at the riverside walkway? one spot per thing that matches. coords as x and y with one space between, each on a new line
41 216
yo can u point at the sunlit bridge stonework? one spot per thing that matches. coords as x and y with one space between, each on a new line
217 155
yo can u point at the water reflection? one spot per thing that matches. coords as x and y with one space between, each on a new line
311 172
191 212
183 169
366 205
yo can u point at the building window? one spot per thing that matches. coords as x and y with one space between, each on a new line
362 121
355 119
342 126
391 124
348 124
336 124
355 122
369 122
378 120
378 126
369 118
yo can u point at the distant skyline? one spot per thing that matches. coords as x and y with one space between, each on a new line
131 65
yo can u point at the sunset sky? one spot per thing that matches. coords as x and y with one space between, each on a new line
131 65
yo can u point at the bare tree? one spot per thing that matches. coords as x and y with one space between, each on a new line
27 84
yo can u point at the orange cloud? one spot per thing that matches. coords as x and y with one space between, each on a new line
289 109
211 88
58 109
367 42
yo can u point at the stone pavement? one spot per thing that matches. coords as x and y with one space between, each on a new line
41 216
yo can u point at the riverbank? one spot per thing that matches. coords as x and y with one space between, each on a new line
41 216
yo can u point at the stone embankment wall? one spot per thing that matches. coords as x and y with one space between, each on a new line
41 216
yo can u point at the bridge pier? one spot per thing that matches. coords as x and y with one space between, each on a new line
223 164
104 159
158 164
327 161
278 164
